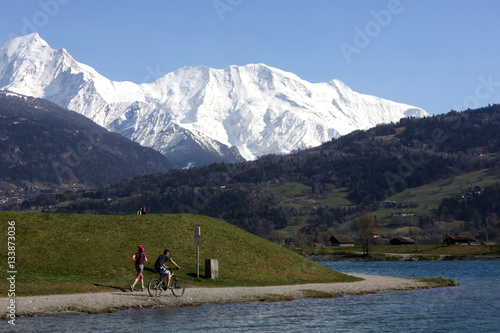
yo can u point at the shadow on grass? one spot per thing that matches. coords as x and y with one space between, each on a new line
193 275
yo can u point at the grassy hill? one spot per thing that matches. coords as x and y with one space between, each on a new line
429 196
59 253
425 199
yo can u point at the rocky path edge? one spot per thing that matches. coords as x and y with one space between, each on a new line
30 306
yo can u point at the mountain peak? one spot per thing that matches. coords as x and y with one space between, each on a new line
28 42
34 38
31 46
199 114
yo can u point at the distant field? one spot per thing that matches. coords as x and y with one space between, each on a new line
300 197
58 253
430 196
425 198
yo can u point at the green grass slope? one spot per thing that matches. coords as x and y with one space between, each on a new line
429 196
58 253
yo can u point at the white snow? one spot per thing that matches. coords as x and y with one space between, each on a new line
256 108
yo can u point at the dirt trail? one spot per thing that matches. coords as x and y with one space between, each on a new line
113 301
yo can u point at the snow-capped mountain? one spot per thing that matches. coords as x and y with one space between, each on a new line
199 115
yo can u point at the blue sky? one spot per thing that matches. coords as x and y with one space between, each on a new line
437 55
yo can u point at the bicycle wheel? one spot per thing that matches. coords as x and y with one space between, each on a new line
178 287
155 287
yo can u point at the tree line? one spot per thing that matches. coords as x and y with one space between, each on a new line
412 151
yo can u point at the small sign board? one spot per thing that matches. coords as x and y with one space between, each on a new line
197 236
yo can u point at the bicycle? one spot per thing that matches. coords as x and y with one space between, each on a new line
156 286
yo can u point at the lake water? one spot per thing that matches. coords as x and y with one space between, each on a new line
474 306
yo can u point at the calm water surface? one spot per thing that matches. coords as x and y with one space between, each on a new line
474 306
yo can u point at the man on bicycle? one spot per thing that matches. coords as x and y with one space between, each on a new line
160 266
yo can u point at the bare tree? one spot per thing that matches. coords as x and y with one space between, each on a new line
301 240
325 237
415 235
366 226
279 237
490 220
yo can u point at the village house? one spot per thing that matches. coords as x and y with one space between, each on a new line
404 213
474 191
459 240
389 204
401 241
341 240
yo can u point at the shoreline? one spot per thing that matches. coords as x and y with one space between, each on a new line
398 257
48 305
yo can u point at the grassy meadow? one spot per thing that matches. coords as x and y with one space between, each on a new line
429 196
59 253
422 199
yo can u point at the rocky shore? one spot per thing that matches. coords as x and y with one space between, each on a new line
114 301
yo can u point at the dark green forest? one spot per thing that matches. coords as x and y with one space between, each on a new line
478 209
368 165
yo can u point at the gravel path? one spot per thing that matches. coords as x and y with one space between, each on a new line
113 301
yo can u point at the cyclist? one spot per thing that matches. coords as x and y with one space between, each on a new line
161 268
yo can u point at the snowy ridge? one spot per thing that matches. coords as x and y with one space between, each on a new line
199 115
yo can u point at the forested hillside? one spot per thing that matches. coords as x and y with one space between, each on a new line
333 182
479 209
45 148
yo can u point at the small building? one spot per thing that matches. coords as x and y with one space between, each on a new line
404 213
459 240
401 241
389 204
318 244
341 240
478 189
